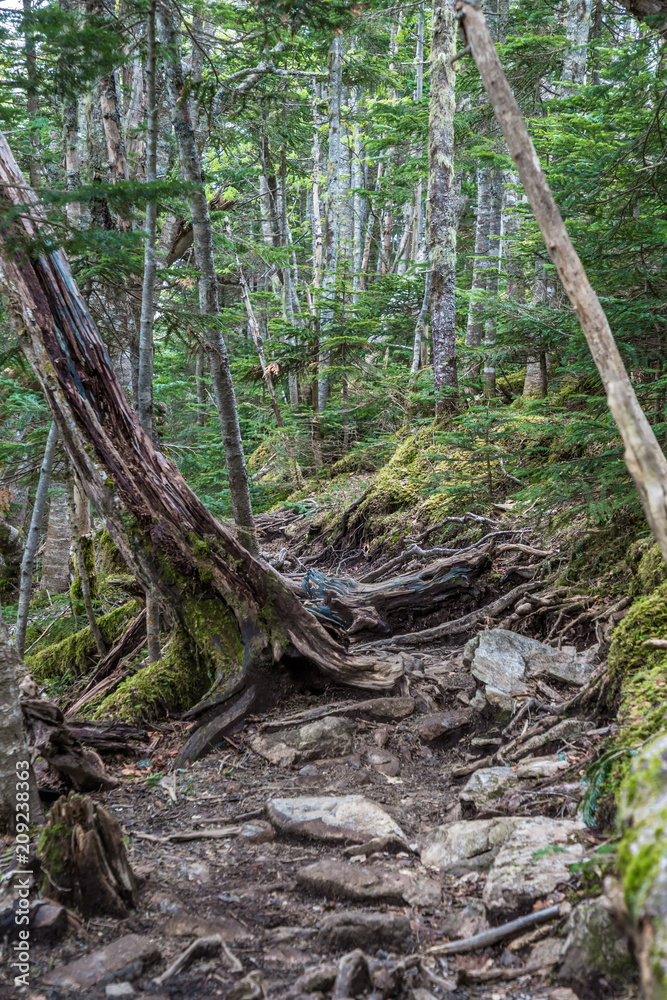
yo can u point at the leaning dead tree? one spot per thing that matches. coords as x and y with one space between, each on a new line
240 615
643 455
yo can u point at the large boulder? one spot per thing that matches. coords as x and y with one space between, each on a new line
595 946
469 845
327 737
531 864
350 818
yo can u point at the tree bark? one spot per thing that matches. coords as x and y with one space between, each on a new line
441 215
332 210
34 536
55 559
221 376
492 274
241 614
475 327
643 456
420 326
16 773
83 573
578 27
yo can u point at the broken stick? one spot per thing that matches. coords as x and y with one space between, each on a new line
496 934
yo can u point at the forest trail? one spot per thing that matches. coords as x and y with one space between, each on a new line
330 847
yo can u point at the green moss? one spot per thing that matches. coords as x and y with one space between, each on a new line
112 560
72 654
53 844
640 864
650 571
173 683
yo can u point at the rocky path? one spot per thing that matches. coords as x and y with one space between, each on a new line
353 847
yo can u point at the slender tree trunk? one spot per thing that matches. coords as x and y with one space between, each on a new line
492 275
370 226
441 218
32 94
55 559
359 202
221 377
333 210
420 326
200 360
83 572
145 407
317 214
33 539
578 28
16 773
475 327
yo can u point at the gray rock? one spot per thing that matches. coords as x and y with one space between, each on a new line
348 817
384 762
500 701
541 767
48 923
257 831
120 991
443 724
385 709
327 737
532 863
470 845
353 975
595 946
126 958
318 978
366 930
186 925
365 883
486 786
504 660
465 921
421 994
545 953
564 730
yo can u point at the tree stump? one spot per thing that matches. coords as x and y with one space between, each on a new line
83 857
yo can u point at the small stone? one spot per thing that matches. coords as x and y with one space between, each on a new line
186 925
384 762
120 991
504 660
366 884
126 958
531 864
545 952
468 844
327 737
541 767
48 923
465 921
309 771
421 994
443 724
351 818
369 931
257 832
385 709
353 976
486 786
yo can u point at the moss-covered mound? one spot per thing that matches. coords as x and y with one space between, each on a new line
71 655
171 684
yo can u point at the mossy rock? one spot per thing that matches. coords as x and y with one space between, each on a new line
171 684
648 566
71 655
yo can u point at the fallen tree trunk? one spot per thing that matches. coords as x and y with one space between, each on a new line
364 609
130 642
241 614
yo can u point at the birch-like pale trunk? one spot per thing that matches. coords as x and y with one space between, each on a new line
209 305
420 326
15 763
370 226
578 28
492 274
55 556
135 117
32 93
475 326
84 579
318 241
441 215
200 385
332 212
33 539
358 200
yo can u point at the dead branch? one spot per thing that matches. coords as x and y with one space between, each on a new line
495 934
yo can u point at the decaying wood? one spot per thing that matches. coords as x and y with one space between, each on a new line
181 235
109 737
130 642
643 455
50 738
163 531
83 857
495 934
365 608
455 627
